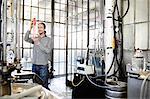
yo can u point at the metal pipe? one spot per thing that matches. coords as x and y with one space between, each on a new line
109 36
76 28
0 29
101 27
14 26
67 41
18 29
22 28
82 32
4 29
88 32
71 31
52 32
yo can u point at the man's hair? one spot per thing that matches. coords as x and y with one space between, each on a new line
43 25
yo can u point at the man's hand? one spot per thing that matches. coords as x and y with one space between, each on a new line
36 40
31 25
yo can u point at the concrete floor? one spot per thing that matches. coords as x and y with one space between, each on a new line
58 86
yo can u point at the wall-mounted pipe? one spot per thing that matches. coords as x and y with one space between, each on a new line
4 28
14 26
109 37
18 29
0 29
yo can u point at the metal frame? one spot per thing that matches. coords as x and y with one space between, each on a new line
67 42
52 33
0 29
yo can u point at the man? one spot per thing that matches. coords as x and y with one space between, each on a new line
41 52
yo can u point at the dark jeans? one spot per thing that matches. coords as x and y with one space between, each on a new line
42 72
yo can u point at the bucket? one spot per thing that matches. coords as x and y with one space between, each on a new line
116 90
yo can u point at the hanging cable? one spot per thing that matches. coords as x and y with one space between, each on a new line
126 10
93 83
111 65
119 19
75 85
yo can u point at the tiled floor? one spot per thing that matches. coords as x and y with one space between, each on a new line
57 85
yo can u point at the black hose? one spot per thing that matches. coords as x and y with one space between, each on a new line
111 65
126 10
119 63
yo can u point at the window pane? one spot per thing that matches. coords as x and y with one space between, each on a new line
56 16
84 39
34 13
35 3
57 1
56 68
92 25
27 2
63 13
63 6
26 12
48 4
141 11
48 15
41 14
78 52
57 6
56 30
79 39
69 40
42 3
85 27
62 42
56 42
62 68
74 40
26 25
63 19
74 57
79 28
56 55
63 1
69 57
62 29
62 55
84 4
79 10
91 40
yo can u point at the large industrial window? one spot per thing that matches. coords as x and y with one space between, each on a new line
59 36
84 30
39 9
